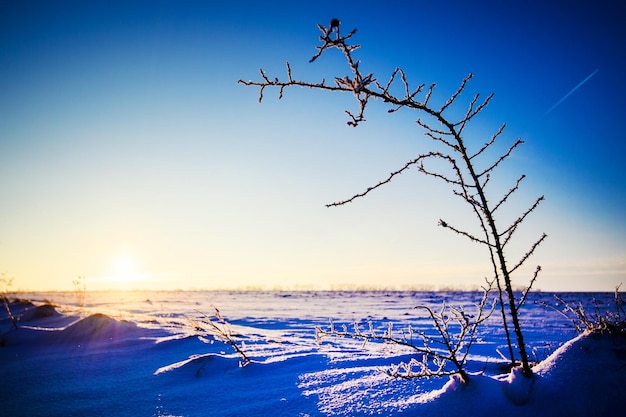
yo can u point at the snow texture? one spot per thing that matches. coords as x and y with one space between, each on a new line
139 354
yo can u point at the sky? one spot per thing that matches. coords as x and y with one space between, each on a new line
130 156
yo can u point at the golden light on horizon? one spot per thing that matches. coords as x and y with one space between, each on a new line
124 272
124 265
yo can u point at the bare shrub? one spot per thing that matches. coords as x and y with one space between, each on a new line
602 319
80 291
5 286
218 328
464 166
455 332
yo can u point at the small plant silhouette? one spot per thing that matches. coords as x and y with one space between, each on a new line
5 286
80 290
465 171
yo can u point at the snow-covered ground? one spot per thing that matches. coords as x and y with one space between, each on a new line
151 354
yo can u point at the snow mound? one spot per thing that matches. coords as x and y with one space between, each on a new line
517 388
481 396
98 328
38 313
202 365
17 306
587 374
584 377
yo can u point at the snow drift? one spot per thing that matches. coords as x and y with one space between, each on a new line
123 356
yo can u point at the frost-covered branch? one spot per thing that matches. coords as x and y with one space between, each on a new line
529 253
508 233
490 142
468 177
508 194
455 333
220 329
463 233
502 158
530 286
604 319
415 161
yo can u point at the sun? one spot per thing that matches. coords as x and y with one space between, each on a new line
124 266
124 271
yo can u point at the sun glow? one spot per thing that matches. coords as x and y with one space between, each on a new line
124 272
124 266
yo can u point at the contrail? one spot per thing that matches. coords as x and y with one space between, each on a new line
572 90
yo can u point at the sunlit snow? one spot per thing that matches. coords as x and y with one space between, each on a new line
148 354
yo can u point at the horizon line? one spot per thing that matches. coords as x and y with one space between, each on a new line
15 293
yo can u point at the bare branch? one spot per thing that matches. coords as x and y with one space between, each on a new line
530 285
502 158
338 42
459 181
281 85
389 178
491 141
472 111
508 233
222 332
372 337
467 117
456 93
5 285
529 253
437 135
385 90
484 183
462 233
511 191
428 94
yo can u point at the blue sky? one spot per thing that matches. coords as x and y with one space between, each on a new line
130 156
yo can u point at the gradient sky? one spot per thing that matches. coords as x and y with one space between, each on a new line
130 156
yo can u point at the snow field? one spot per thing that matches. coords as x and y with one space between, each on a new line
136 354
